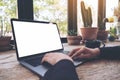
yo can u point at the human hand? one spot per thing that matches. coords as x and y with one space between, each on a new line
53 58
84 53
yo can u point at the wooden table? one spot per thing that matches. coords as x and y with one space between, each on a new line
10 69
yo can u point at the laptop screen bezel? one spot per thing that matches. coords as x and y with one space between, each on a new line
34 21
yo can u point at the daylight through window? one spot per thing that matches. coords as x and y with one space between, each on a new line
54 11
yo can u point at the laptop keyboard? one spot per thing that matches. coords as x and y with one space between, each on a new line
34 61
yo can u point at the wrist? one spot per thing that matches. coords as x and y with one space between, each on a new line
97 51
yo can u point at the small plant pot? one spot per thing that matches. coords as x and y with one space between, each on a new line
102 35
89 33
5 43
74 40
111 38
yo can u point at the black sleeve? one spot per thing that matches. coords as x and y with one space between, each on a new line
110 52
63 70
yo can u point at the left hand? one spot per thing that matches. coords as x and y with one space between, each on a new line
84 53
53 58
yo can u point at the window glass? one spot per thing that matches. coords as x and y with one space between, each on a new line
54 11
8 10
110 5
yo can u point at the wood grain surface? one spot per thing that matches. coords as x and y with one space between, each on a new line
99 69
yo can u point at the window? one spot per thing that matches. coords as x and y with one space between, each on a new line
110 5
48 10
54 11
8 10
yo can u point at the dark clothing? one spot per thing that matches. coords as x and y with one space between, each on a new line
65 70
110 52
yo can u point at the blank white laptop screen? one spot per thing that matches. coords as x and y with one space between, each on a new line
33 37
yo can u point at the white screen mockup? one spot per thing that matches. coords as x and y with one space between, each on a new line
33 38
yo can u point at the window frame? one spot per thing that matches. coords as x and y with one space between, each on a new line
102 8
25 9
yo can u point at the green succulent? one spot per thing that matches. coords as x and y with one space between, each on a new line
113 31
72 32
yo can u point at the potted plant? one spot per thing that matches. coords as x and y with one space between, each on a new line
102 33
113 34
88 32
4 40
73 38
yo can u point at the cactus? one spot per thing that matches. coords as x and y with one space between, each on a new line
86 15
101 22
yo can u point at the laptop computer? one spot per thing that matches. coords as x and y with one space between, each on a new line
33 39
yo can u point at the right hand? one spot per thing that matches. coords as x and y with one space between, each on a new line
84 52
54 58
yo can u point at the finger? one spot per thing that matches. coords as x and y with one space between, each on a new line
77 53
44 58
73 51
83 56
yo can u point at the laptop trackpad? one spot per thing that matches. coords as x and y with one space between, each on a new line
41 70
